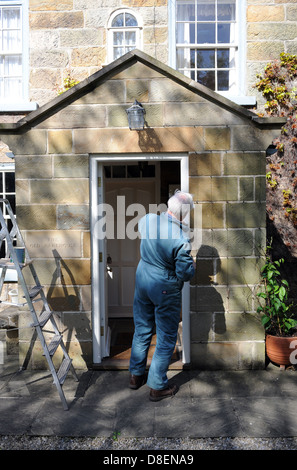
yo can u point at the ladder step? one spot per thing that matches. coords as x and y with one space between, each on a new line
54 344
34 291
44 317
39 319
63 370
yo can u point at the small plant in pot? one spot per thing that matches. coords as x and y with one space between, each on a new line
277 315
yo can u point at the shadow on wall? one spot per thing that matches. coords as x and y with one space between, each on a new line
65 301
208 321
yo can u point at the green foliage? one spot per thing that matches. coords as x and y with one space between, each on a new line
277 316
270 180
278 85
68 83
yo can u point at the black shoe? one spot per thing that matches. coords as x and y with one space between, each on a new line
136 381
157 395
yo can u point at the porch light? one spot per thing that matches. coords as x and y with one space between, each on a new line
271 149
136 116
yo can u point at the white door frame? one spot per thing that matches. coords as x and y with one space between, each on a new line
97 246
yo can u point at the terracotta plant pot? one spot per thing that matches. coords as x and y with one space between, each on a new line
278 349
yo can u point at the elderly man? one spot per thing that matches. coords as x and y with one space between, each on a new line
164 266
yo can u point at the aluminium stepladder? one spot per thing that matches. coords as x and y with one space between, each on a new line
33 295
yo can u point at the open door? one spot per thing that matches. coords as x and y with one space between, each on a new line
115 259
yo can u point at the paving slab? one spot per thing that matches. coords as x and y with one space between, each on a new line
209 404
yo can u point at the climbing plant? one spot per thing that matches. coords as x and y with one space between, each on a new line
278 85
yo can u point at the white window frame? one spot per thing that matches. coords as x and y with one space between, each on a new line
240 96
23 103
11 274
110 30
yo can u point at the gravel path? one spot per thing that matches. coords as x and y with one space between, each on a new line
96 443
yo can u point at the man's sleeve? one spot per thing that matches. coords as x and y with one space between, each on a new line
184 266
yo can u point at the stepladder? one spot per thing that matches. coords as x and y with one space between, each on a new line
44 320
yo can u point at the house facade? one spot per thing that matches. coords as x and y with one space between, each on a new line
192 65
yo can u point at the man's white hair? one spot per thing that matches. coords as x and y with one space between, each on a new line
180 204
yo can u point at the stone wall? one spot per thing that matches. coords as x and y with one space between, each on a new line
71 37
230 185
271 29
227 179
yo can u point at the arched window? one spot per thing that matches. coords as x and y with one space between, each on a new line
124 33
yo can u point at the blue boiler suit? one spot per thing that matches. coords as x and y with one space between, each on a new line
164 266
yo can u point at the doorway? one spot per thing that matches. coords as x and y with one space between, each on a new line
120 185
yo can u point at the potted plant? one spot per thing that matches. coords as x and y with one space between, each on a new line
277 316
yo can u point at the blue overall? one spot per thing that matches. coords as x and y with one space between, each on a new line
164 266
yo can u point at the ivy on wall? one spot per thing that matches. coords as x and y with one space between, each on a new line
278 85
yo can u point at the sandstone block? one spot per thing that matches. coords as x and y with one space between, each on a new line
214 188
217 138
42 166
60 191
46 5
36 217
60 141
73 217
205 164
88 56
71 166
213 216
44 243
262 13
54 20
244 163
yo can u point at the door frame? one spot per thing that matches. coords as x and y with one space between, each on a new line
98 272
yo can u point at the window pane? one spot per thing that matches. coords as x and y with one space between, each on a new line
148 171
226 11
223 80
206 33
118 52
205 58
1 184
13 65
107 171
224 33
206 10
133 171
11 199
118 21
185 11
130 38
119 171
9 182
12 88
118 38
181 60
130 20
11 40
223 58
207 78
11 18
185 33
192 58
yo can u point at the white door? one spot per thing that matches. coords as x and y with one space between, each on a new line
123 254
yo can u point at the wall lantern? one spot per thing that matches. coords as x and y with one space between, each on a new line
136 116
271 149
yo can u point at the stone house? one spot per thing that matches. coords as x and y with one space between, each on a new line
75 151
